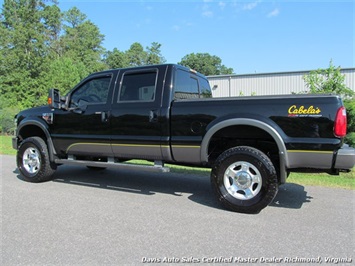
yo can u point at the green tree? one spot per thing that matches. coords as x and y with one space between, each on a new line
331 80
328 80
42 47
74 17
116 59
134 56
350 108
52 19
82 40
154 55
7 114
206 64
350 113
64 73
23 50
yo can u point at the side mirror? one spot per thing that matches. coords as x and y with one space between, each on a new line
54 99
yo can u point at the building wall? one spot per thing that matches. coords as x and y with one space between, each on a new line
267 83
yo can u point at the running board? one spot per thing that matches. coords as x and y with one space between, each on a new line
157 167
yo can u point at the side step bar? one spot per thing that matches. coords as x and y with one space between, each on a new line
158 165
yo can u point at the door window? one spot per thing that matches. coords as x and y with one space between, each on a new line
94 91
139 86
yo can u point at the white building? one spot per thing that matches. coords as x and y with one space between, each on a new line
267 83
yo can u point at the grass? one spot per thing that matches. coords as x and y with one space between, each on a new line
344 180
6 145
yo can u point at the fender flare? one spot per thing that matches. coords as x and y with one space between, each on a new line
248 122
32 122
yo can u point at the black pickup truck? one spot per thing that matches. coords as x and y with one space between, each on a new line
166 114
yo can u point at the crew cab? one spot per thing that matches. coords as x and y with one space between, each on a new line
166 114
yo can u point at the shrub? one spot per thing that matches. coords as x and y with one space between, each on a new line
7 114
350 112
350 139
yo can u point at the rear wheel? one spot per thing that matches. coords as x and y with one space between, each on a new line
244 179
33 160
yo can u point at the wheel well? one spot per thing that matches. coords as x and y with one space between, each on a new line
31 131
243 135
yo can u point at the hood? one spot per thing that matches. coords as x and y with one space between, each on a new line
33 112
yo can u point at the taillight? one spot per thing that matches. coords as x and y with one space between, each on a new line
340 123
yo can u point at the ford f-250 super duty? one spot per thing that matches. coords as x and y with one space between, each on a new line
166 113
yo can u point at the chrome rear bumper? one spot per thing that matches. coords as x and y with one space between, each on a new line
345 158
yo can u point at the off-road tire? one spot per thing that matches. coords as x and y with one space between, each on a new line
244 179
33 160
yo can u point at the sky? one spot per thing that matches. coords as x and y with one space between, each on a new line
258 36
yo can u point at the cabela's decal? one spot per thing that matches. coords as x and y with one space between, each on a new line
313 111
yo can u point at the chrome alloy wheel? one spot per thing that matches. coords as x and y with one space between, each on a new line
31 160
242 180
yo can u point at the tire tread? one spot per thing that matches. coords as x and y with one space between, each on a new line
47 167
271 180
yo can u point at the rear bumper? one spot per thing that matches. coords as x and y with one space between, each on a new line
345 159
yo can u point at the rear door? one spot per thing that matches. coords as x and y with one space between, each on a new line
136 121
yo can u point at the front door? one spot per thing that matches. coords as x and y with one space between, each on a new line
84 129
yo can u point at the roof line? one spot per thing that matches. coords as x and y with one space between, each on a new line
273 73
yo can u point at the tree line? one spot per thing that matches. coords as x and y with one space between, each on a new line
42 47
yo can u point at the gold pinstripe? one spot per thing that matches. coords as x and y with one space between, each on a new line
131 145
308 151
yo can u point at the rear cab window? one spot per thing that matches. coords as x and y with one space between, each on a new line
188 85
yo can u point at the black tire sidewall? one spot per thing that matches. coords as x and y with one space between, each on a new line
45 170
267 171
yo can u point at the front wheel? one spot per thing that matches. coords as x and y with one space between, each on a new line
33 160
244 179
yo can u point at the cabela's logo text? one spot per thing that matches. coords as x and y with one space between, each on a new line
304 111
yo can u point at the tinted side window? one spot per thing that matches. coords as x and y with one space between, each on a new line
138 86
186 86
94 91
205 90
